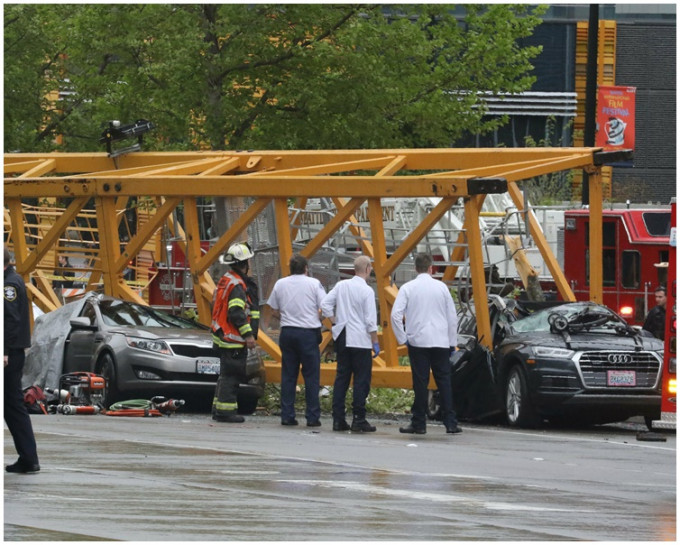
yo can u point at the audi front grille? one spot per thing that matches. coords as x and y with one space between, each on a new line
594 367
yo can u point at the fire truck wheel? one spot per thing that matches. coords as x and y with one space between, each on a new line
107 368
434 408
519 410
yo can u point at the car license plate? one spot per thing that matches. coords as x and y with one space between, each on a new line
620 378
208 366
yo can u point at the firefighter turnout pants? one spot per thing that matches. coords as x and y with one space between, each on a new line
232 373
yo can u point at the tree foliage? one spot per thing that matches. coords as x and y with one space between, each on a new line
241 76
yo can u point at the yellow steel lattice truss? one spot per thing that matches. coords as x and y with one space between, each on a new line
350 178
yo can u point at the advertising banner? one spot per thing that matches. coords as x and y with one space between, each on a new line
615 118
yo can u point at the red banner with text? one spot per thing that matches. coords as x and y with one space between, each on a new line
615 118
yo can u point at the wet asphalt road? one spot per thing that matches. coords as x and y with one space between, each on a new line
185 478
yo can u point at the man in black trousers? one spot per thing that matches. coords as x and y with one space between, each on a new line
430 333
17 339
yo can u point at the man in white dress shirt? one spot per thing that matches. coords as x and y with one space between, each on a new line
296 300
430 335
355 331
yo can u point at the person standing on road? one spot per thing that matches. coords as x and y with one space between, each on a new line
17 339
655 322
296 300
355 331
431 336
235 323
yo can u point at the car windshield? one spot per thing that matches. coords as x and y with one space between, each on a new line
574 313
130 314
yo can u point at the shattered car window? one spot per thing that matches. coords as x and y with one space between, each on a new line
582 314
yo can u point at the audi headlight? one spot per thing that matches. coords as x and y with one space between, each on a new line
150 345
552 353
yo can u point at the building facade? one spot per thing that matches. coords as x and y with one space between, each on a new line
644 58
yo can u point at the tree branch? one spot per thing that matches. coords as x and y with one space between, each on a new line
238 133
292 52
52 125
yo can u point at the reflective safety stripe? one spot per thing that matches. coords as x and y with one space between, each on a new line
240 303
222 406
244 329
223 344
255 314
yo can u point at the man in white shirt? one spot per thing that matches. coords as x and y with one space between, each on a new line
430 335
296 300
355 331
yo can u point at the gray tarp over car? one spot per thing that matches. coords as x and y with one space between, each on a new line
45 357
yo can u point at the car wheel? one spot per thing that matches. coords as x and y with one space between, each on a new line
519 410
247 404
434 408
107 369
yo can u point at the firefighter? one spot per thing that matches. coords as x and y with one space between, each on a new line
235 322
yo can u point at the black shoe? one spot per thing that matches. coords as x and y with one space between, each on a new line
362 425
411 429
340 425
454 429
289 422
313 423
19 467
230 418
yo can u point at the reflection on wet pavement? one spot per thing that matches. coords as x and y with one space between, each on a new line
187 482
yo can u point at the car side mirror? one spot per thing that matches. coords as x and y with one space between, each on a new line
81 322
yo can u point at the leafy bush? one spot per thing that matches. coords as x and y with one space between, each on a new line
380 400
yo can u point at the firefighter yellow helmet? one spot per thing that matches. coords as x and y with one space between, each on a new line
237 253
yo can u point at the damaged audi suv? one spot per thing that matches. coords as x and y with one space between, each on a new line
566 362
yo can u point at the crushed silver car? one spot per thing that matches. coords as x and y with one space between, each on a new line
142 352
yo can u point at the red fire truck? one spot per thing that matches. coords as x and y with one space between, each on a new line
668 379
172 287
635 257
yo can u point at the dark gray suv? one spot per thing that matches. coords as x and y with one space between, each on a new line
567 362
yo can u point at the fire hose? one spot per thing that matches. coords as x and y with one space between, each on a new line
133 407
144 407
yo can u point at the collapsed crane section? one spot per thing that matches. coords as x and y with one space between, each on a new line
356 182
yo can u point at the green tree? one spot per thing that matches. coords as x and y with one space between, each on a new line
237 76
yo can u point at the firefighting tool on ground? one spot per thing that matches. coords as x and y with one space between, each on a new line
78 409
84 389
156 406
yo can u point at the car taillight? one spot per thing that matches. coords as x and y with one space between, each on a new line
626 311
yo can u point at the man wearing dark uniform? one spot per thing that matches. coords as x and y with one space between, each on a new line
17 339
655 322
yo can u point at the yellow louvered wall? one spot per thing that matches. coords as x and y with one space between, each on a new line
606 75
